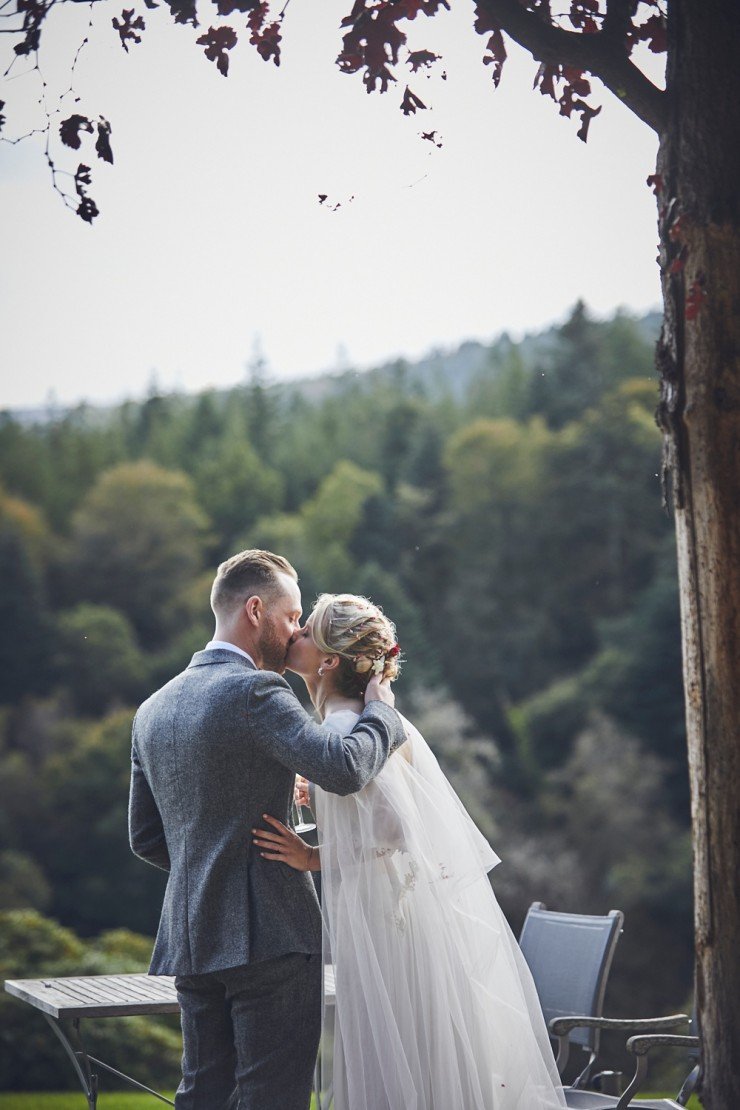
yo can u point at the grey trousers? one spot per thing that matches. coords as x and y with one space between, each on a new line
250 1035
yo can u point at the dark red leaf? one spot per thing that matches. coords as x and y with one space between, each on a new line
431 137
495 54
258 15
128 27
34 13
102 146
87 209
267 42
227 7
82 178
217 40
69 130
419 58
411 103
373 40
545 79
183 11
654 33
587 114
582 14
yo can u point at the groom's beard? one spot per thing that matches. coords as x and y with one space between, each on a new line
273 649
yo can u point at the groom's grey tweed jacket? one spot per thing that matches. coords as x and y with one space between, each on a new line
212 751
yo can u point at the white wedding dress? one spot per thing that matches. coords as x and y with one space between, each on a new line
435 1006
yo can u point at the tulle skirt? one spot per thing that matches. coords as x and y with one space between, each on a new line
435 1007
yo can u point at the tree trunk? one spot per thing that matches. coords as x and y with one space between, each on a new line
699 359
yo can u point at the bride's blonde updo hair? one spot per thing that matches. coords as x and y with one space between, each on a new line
360 634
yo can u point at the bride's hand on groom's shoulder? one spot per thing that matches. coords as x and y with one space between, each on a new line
282 844
379 689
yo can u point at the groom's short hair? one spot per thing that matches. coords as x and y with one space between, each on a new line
249 572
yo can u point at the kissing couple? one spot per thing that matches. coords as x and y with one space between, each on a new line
434 1006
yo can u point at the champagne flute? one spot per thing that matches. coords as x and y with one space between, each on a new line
300 825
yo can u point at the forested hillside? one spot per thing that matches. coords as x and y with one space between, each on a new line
502 504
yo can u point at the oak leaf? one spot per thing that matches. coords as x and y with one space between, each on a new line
69 130
411 103
128 27
217 40
102 145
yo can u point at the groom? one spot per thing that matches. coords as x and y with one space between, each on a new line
214 750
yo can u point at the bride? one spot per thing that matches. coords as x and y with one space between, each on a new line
435 1006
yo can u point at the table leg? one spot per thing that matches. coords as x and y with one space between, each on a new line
87 1078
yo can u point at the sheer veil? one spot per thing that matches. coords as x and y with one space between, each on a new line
435 1007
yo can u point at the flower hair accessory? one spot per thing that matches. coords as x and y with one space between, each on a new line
365 663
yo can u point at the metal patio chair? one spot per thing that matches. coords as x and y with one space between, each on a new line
570 957
639 1046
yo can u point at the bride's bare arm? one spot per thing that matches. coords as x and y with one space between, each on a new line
282 844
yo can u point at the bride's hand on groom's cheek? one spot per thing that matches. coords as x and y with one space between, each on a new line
282 844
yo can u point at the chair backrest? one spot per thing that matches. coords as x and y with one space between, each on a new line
569 955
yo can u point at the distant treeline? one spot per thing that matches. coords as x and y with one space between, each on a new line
505 510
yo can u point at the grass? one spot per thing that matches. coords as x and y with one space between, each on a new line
74 1100
119 1100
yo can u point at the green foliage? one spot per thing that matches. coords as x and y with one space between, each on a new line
22 882
97 659
32 946
137 541
24 626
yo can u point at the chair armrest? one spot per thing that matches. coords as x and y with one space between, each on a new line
641 1044
560 1027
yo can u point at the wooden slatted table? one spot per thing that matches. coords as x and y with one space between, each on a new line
96 996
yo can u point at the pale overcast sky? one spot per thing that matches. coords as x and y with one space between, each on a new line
211 238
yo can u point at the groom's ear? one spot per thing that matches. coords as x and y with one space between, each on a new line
253 609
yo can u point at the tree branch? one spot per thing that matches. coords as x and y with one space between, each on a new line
601 54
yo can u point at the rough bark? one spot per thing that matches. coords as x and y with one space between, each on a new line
699 358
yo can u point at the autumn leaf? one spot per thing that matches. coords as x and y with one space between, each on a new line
267 42
431 137
69 130
419 58
411 103
82 177
128 27
102 146
653 32
227 7
34 13
217 40
373 41
582 14
87 209
183 11
495 47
